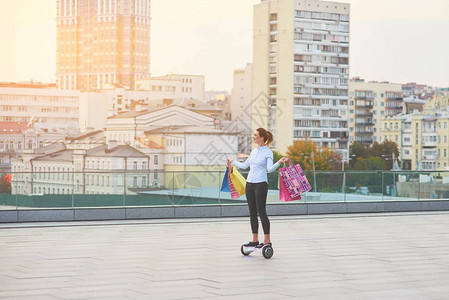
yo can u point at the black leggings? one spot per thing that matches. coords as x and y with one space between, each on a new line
256 196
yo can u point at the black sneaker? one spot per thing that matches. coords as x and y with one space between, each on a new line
251 244
262 244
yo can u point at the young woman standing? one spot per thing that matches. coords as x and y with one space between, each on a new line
260 162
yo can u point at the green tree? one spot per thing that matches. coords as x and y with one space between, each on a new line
388 148
301 153
370 163
356 151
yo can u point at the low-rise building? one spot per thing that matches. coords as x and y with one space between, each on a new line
15 137
82 165
422 137
190 141
33 102
174 86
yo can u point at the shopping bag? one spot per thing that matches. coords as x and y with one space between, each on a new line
225 182
284 195
238 181
232 189
294 179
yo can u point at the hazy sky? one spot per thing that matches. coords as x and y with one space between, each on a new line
395 40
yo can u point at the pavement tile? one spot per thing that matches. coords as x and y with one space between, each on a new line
365 256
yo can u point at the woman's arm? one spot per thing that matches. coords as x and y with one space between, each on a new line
272 167
240 165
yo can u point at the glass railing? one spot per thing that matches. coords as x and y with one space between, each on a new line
147 189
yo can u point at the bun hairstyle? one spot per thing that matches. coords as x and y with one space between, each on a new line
266 135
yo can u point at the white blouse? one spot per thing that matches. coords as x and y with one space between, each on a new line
260 162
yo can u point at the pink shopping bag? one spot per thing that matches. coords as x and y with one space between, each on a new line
233 190
294 179
284 195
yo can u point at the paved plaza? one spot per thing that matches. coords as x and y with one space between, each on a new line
364 256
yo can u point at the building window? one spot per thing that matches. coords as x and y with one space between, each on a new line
135 165
156 160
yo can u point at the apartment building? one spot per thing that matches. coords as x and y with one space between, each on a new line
241 95
174 86
28 102
300 71
101 42
422 138
369 103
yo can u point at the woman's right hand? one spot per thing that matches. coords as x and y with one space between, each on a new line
229 162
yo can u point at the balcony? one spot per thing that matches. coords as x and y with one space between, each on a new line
365 114
364 106
429 144
365 123
365 141
429 157
364 98
361 133
394 107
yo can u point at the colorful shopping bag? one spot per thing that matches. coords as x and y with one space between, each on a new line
284 195
232 189
225 182
238 181
294 179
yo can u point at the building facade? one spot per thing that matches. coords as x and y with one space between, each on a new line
25 104
174 86
423 138
16 137
369 103
102 42
83 165
241 95
300 71
188 140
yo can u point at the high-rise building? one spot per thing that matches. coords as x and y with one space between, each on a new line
102 42
300 71
240 103
369 103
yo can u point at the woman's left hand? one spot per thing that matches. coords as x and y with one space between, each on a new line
283 160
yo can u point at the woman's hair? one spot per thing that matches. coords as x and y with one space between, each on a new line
267 135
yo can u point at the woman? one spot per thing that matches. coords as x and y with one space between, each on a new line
260 162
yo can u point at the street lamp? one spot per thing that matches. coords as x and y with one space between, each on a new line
344 173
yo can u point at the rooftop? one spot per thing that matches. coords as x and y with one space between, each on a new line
360 256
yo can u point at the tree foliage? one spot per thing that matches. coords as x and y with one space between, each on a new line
306 153
370 163
383 152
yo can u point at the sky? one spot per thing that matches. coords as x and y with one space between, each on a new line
390 40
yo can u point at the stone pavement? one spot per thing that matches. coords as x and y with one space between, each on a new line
365 256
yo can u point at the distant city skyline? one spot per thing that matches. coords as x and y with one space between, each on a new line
391 40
